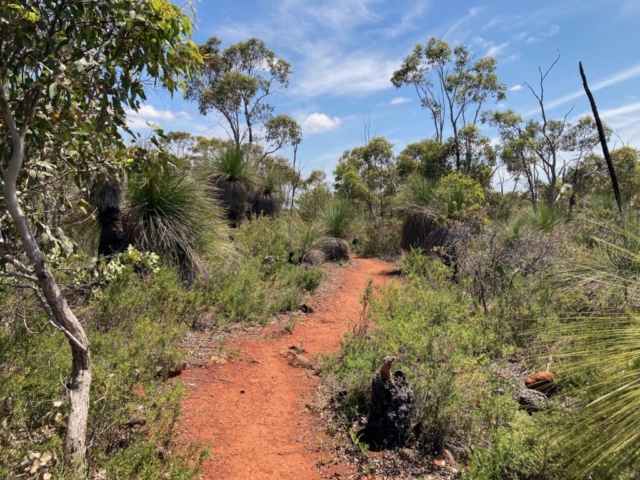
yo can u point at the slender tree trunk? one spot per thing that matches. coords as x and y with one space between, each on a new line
59 311
457 142
603 141
297 179
552 189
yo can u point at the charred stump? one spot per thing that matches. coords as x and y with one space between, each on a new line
389 422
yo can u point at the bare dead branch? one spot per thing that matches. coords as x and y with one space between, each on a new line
603 141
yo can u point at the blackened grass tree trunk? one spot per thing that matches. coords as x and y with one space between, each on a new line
603 141
107 200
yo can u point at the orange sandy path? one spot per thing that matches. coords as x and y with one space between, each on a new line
252 411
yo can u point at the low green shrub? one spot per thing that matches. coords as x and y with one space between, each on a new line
444 350
381 238
518 450
135 326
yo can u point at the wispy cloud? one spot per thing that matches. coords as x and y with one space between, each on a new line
335 73
548 30
399 100
625 121
450 35
319 123
337 15
630 6
148 113
325 43
495 50
515 88
615 112
618 77
408 21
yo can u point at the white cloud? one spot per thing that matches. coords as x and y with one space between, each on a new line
319 123
630 6
549 32
407 22
337 15
625 121
324 42
399 100
621 76
515 88
615 112
148 113
450 36
327 71
495 50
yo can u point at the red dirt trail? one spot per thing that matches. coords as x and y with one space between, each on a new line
252 409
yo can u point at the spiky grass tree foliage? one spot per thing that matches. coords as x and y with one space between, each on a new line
265 201
232 176
429 205
338 218
600 438
545 218
106 197
169 213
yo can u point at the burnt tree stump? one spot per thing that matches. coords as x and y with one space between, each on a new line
389 422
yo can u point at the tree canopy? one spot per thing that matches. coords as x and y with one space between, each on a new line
237 82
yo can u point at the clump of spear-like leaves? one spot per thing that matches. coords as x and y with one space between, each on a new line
232 176
338 218
599 355
168 212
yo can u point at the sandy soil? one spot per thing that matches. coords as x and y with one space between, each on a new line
254 407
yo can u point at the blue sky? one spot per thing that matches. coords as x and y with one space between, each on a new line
343 53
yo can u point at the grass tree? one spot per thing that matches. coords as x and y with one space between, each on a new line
168 212
338 218
264 201
429 205
598 355
68 71
416 200
106 197
232 176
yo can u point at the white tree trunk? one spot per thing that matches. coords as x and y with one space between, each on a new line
62 316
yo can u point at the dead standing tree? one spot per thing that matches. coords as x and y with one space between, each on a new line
603 141
550 138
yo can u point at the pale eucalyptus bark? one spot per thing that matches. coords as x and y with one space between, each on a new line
62 316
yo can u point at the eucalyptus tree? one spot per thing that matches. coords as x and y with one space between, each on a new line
68 70
451 85
591 175
428 157
181 144
238 82
368 174
547 149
